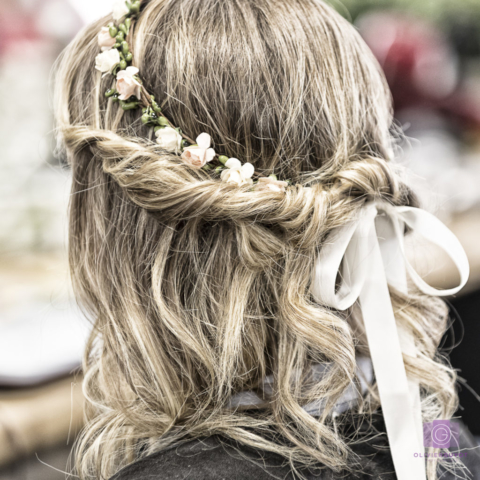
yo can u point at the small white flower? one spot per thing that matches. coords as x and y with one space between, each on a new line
127 84
201 153
270 184
105 62
238 173
119 9
169 139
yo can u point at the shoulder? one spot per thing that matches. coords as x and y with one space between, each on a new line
216 458
207 459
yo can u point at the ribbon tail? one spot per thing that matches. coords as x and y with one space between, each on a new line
390 234
407 344
387 359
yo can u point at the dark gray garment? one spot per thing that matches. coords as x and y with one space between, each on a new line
218 458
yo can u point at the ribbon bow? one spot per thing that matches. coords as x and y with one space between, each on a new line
369 254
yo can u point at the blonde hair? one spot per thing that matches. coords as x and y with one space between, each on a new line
199 289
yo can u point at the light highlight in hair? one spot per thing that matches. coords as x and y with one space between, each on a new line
197 288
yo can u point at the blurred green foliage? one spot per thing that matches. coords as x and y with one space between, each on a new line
435 10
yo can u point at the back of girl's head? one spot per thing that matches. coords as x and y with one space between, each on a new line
198 288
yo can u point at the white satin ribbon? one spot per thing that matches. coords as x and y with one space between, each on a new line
369 255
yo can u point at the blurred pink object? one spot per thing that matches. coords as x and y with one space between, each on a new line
420 66
15 26
29 23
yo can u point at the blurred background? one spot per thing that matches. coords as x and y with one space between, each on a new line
430 52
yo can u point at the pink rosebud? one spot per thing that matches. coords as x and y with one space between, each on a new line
105 41
270 184
127 84
198 155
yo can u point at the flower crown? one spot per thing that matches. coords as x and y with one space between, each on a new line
116 59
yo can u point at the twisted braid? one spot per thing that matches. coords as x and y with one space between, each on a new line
159 181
